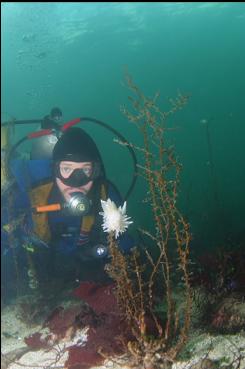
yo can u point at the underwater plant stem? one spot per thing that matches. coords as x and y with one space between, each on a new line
118 270
161 170
154 187
12 243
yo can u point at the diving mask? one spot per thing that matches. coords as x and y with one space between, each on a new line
79 176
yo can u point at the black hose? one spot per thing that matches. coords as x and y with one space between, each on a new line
10 154
123 139
29 121
82 119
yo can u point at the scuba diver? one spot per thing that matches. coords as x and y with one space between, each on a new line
53 119
78 185
60 225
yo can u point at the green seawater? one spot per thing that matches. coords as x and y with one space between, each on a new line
73 55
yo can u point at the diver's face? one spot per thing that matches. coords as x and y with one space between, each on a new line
57 118
66 169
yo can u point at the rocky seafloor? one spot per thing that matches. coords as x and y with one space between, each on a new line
204 350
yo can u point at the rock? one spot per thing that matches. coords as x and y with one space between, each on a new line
13 355
205 364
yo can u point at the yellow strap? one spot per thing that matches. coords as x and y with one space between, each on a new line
103 193
5 146
87 223
5 137
39 196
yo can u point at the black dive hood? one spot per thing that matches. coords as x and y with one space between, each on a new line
56 132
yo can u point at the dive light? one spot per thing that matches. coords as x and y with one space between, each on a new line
100 251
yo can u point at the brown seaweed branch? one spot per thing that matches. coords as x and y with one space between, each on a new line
135 287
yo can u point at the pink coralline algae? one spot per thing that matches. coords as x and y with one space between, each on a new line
100 298
107 328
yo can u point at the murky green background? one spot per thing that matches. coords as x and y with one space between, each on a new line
73 55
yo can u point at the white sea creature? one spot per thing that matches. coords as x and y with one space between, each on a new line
114 219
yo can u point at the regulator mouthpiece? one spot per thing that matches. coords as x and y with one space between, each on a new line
79 203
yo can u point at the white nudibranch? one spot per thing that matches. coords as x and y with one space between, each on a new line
114 219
